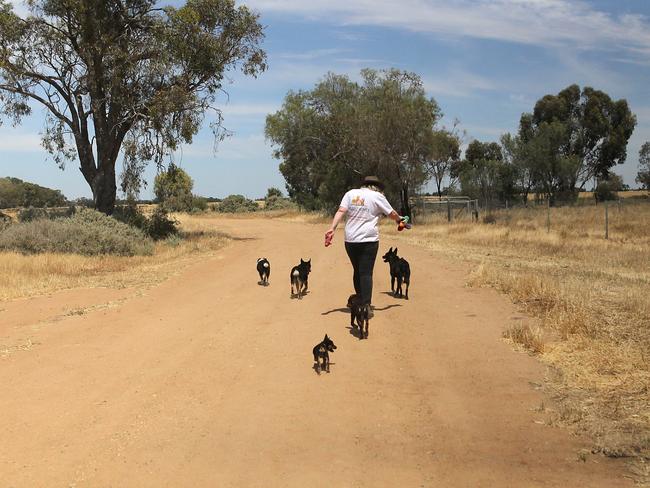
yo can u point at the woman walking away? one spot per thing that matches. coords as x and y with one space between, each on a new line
363 207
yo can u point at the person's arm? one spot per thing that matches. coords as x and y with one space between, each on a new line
388 211
395 216
338 216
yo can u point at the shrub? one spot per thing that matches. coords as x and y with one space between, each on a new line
173 188
199 204
131 215
277 203
29 214
87 232
160 226
237 203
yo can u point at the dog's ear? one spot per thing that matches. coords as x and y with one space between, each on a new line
326 338
395 251
391 249
301 261
309 261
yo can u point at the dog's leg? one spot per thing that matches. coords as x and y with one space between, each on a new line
367 324
352 324
326 360
399 286
392 283
407 289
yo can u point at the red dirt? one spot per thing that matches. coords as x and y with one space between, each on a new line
207 380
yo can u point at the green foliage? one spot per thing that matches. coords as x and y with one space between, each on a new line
643 177
131 215
485 175
160 225
277 203
236 204
87 232
173 189
444 155
607 188
199 204
273 192
572 137
31 213
128 76
18 193
330 137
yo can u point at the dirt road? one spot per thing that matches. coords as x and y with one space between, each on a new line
207 380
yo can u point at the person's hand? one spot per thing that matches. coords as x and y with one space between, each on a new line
329 235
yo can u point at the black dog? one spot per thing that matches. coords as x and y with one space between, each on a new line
264 269
400 270
299 278
360 313
321 354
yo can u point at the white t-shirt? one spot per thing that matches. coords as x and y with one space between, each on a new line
364 206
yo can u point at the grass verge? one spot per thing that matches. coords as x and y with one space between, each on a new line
31 275
592 299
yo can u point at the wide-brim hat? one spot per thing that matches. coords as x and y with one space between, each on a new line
373 180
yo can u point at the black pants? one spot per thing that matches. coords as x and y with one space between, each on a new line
362 256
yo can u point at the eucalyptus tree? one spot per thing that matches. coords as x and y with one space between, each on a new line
444 155
329 137
594 134
643 176
122 76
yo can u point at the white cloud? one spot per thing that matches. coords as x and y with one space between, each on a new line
21 142
458 83
538 22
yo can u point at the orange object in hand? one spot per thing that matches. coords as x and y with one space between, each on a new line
401 226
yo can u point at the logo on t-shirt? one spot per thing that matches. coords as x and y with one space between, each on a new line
358 201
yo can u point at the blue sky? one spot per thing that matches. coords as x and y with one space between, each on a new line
484 61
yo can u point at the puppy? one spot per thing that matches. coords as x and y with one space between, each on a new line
400 270
299 278
321 354
264 269
360 314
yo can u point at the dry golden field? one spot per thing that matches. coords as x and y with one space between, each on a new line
30 275
592 298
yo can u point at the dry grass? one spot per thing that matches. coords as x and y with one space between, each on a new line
44 273
592 298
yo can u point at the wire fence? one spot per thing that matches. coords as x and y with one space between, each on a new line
600 218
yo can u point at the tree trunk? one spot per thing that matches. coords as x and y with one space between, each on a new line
104 189
404 201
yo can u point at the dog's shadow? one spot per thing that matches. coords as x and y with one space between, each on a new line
354 331
344 310
317 371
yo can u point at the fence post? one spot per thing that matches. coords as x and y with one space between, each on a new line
448 210
606 220
548 215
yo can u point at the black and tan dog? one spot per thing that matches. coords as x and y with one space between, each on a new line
299 278
322 352
264 269
400 270
360 314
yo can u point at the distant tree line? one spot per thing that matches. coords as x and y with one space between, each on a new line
329 137
18 193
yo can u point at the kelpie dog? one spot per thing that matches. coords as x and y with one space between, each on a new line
299 278
359 312
400 270
321 354
264 269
